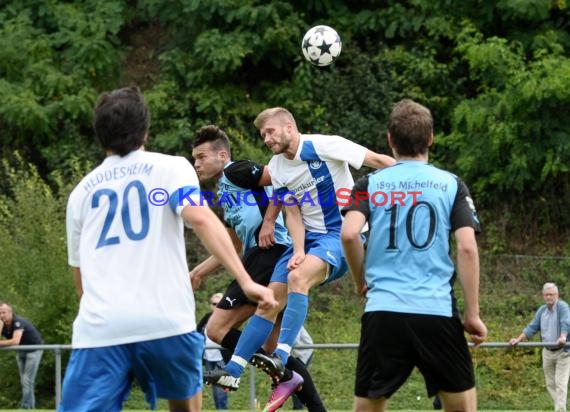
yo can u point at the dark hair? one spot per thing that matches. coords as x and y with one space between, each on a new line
214 135
411 128
121 120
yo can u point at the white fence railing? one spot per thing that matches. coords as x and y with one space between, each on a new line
57 349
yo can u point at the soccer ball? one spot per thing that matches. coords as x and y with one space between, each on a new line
321 45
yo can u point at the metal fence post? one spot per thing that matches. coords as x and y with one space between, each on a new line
252 397
57 376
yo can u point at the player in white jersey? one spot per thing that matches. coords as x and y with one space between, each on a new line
307 172
125 224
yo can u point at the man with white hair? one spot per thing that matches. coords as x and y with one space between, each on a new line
553 321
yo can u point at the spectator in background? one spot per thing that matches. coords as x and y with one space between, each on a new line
213 358
553 321
19 331
305 355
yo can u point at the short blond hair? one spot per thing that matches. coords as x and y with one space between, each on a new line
272 112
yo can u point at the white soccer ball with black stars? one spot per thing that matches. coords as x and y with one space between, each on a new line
321 45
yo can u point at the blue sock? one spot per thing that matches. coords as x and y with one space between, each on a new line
293 319
252 338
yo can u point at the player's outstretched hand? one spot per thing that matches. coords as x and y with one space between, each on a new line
476 329
262 295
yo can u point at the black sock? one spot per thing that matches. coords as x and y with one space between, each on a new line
229 342
287 375
308 393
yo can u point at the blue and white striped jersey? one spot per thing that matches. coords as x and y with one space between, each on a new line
315 176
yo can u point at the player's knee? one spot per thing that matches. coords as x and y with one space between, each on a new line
301 282
270 313
215 334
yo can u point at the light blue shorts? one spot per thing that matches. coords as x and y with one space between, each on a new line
325 246
99 379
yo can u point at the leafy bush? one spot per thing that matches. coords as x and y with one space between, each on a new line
34 272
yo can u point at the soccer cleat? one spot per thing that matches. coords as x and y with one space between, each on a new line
270 364
282 392
221 378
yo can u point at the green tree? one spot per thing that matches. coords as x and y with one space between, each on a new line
511 140
54 57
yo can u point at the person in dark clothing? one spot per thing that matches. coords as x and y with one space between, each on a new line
19 331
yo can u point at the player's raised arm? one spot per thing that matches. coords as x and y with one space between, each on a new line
377 160
267 230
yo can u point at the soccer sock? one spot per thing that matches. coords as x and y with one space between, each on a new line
308 393
293 319
253 336
230 339
229 343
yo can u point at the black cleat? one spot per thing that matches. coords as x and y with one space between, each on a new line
221 378
270 364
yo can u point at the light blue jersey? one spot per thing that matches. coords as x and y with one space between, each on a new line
245 202
412 208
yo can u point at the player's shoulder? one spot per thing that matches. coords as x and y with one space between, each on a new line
328 147
162 158
240 166
276 161
164 165
431 168
319 137
244 173
322 141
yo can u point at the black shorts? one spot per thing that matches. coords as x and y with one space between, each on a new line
259 263
392 344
